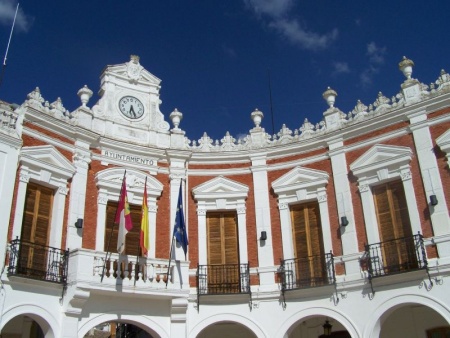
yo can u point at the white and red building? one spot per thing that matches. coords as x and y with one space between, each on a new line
345 221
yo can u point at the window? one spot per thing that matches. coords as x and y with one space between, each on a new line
393 223
132 246
308 244
35 229
223 252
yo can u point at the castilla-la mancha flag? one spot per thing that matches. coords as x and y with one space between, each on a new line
123 217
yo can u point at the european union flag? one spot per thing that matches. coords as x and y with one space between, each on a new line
179 230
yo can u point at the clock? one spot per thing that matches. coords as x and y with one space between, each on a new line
131 107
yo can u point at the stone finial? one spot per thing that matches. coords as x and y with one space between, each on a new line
257 117
85 94
134 58
406 66
330 96
176 116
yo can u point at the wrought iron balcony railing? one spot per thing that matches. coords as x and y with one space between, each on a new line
396 256
223 279
36 261
307 272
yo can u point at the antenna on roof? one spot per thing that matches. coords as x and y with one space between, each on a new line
271 106
7 47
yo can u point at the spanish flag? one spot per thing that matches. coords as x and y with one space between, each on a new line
144 240
123 217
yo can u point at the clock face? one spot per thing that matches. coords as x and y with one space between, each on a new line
131 107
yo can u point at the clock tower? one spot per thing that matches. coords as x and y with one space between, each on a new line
128 108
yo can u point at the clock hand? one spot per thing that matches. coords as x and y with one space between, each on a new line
132 111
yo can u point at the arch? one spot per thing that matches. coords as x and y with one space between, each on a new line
228 317
143 322
289 323
373 327
48 323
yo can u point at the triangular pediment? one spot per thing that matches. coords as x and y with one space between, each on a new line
47 157
121 71
220 187
381 156
300 178
443 141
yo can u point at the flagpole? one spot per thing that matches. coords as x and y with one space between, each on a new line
170 260
111 233
139 251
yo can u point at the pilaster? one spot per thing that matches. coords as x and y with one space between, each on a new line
344 205
431 178
263 219
81 160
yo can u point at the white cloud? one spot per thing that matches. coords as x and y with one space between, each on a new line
376 54
340 68
229 51
7 11
376 59
292 30
272 8
277 16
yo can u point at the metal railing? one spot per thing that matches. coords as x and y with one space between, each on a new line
223 279
36 261
307 272
396 256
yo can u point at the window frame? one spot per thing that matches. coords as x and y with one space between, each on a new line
109 183
302 185
45 166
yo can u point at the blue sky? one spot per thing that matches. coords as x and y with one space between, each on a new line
213 57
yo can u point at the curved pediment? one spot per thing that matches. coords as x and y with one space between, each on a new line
300 179
220 187
112 179
381 156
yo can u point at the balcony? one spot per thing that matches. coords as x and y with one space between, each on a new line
396 256
223 279
36 261
307 272
94 271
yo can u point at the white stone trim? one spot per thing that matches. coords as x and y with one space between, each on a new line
46 166
109 183
443 142
234 195
380 164
302 185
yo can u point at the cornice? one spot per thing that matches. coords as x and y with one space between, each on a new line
47 139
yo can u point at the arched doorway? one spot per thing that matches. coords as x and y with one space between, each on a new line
22 326
117 330
411 320
226 330
318 326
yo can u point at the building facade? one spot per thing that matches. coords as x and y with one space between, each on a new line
342 223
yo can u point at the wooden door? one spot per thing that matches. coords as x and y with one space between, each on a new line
398 247
35 230
308 244
223 252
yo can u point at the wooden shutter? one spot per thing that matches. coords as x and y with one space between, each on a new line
394 226
35 228
308 244
223 252
132 238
